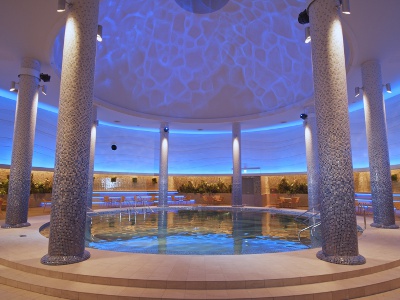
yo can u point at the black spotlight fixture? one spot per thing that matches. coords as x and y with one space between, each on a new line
303 116
166 129
303 17
45 77
114 147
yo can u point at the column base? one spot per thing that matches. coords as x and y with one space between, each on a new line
8 226
380 225
342 260
64 260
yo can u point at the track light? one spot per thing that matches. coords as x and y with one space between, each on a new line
303 116
303 17
61 5
13 87
357 91
307 35
388 88
345 4
99 33
44 89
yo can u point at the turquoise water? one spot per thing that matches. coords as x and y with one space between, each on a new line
196 232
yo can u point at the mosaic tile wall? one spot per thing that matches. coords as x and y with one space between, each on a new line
163 176
22 150
237 165
68 213
310 128
334 145
93 133
378 152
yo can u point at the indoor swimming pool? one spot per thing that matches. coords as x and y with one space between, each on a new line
195 231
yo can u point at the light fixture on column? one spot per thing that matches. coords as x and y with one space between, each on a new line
13 87
303 17
345 4
166 129
303 116
44 77
61 5
99 33
43 88
388 88
307 35
357 91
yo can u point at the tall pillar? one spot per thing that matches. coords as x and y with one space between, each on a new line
163 176
70 185
24 135
378 152
310 133
91 158
237 165
334 148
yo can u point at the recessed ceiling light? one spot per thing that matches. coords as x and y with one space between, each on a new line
283 122
200 129
116 121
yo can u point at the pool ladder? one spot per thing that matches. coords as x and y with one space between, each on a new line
314 216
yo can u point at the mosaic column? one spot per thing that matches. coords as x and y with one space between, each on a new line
22 150
379 164
91 158
70 185
163 176
339 227
237 165
310 133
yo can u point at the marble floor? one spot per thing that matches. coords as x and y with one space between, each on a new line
258 276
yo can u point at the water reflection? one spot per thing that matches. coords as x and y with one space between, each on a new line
197 232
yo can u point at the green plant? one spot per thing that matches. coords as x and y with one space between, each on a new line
294 188
134 179
205 188
394 177
41 187
4 187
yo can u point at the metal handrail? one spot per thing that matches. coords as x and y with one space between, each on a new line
311 227
308 211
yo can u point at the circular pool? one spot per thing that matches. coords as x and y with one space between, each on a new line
195 231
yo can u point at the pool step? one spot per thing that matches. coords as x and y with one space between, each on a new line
349 288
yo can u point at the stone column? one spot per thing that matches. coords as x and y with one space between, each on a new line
378 152
310 133
334 148
237 165
22 150
70 186
91 158
163 176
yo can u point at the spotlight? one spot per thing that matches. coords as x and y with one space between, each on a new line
113 147
307 35
99 33
388 88
303 17
44 89
166 129
13 87
345 6
303 116
45 77
61 5
357 91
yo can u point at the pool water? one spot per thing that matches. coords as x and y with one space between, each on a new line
197 232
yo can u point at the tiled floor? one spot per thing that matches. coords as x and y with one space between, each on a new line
26 246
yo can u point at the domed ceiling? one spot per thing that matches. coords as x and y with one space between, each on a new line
159 60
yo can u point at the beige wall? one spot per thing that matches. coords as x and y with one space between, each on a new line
144 182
